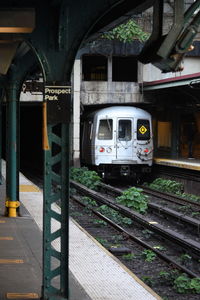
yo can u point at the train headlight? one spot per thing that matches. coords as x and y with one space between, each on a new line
101 149
109 150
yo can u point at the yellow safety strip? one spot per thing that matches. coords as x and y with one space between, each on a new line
167 162
1 221
22 296
6 238
11 261
28 188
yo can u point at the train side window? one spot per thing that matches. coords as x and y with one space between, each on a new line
105 131
143 129
87 130
124 130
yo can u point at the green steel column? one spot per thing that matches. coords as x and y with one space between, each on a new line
12 197
56 112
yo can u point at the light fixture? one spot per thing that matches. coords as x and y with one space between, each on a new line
17 20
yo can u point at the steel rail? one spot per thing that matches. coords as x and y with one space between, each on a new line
190 245
167 211
138 241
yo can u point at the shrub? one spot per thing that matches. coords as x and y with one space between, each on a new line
134 199
86 177
167 185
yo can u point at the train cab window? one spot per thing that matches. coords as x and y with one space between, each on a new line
105 131
143 129
124 130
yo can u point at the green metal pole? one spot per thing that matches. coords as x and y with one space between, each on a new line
12 196
56 135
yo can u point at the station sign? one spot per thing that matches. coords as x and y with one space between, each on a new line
58 99
56 93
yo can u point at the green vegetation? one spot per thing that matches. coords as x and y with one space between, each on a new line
147 233
173 187
99 222
127 32
185 259
183 284
134 199
103 242
190 197
114 215
86 177
168 276
129 256
148 255
148 280
166 185
89 202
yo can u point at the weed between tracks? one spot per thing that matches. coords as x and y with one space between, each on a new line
168 282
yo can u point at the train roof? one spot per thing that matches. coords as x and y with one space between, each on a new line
122 111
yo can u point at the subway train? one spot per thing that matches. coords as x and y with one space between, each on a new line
117 141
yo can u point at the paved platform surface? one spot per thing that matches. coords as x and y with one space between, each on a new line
94 273
185 163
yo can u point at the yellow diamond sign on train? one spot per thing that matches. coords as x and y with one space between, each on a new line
142 129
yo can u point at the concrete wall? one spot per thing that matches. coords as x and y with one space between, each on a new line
104 92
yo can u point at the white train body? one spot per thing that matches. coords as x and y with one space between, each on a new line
118 141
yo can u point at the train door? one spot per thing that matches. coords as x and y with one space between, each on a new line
87 146
124 138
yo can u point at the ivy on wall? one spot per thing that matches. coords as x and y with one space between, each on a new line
127 32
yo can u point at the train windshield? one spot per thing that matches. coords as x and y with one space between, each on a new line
105 131
124 130
143 129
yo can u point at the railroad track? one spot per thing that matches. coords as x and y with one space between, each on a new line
161 209
139 241
187 244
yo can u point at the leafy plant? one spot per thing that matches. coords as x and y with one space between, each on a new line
103 242
195 213
184 284
76 214
148 255
147 233
190 197
99 222
114 215
169 276
185 258
167 185
127 32
89 202
185 208
86 177
129 256
133 198
148 280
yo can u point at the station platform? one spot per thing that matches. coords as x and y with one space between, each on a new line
185 163
95 274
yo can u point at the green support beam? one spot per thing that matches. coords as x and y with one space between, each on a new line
12 170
